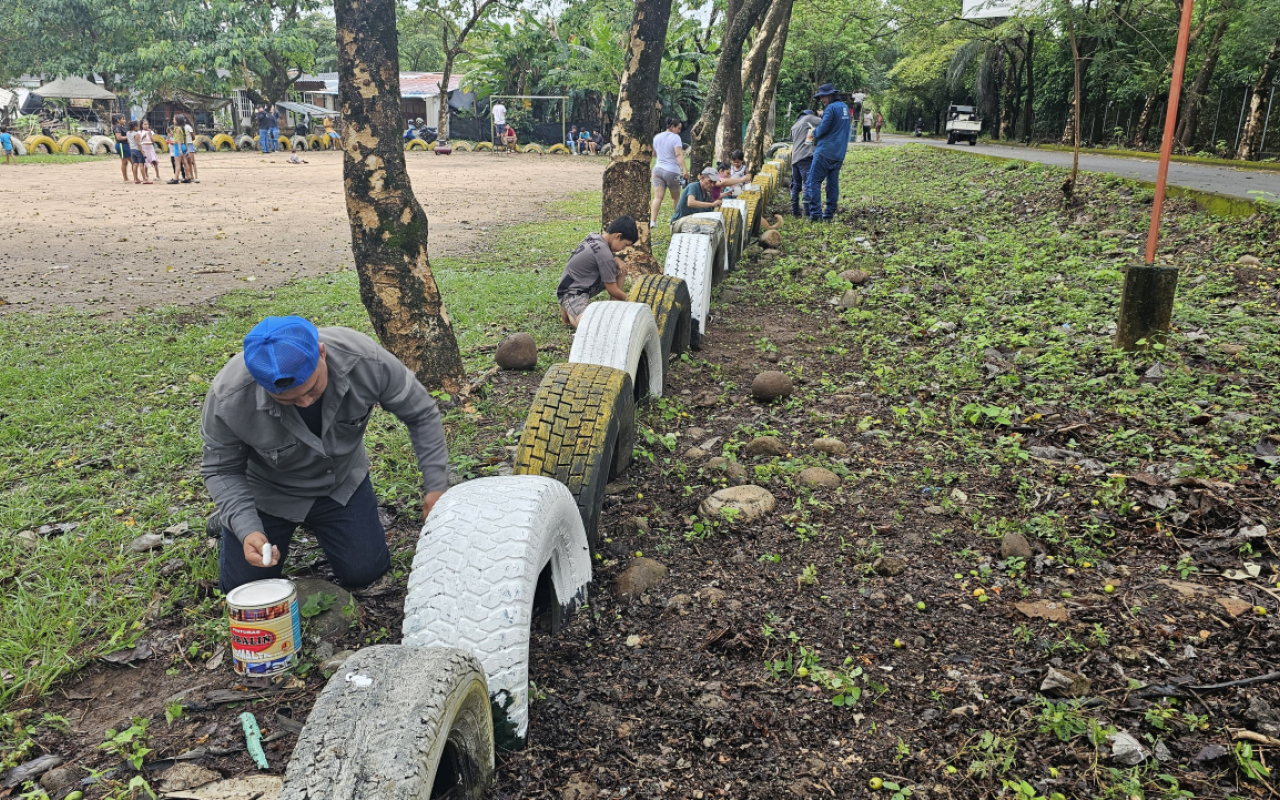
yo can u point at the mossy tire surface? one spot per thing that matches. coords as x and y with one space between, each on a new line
493 553
737 206
224 143
415 144
73 146
580 431
482 147
412 722
558 149
668 299
204 144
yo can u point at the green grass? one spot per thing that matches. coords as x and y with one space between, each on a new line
32 159
1262 166
99 427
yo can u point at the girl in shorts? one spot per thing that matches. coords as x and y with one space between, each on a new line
191 149
135 152
148 141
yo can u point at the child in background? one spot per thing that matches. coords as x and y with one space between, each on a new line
6 142
191 149
135 151
737 173
178 149
148 141
728 184
593 268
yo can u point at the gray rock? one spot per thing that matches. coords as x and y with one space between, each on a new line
935 510
831 446
146 543
1126 750
695 433
1065 684
1015 545
1112 233
820 477
59 778
943 327
641 575
735 471
1249 261
517 351
641 524
889 566
766 446
850 299
695 452
855 276
718 462
771 385
334 662
750 502
1126 655
330 623
679 601
771 240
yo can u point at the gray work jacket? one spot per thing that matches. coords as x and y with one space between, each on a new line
260 456
801 147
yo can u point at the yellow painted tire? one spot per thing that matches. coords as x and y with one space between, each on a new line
752 198
315 142
483 147
733 234
558 149
285 144
415 144
532 148
668 298
204 144
463 147
222 143
580 431
73 146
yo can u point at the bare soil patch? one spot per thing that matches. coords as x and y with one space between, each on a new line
82 238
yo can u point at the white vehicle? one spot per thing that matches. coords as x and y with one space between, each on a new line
963 123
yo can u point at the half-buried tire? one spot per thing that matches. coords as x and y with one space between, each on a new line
581 430
494 553
224 143
709 223
397 723
73 146
738 205
245 142
690 258
623 336
668 299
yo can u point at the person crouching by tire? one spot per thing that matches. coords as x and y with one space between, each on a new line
283 429
593 268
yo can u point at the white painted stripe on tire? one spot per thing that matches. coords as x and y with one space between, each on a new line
719 238
689 258
476 569
618 334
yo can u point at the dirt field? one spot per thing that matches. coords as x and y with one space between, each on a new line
85 239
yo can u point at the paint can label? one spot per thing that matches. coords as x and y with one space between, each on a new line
265 638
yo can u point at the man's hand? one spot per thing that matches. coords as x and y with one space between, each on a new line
716 204
429 502
253 550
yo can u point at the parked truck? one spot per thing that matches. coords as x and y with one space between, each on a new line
963 123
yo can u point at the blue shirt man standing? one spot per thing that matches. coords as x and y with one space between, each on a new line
830 143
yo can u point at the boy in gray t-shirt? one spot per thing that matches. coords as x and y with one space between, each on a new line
594 268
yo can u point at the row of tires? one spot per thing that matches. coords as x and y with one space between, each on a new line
422 718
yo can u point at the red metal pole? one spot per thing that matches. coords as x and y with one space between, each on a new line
1170 122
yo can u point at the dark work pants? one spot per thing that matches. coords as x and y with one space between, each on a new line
823 169
799 203
351 536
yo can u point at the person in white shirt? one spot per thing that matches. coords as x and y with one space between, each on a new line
859 97
670 168
499 121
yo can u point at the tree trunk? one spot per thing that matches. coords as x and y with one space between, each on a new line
626 179
1009 98
763 100
388 226
1148 115
1069 187
1029 109
1251 143
442 129
703 135
1186 133
729 131
778 17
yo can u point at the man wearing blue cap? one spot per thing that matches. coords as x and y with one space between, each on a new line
283 428
801 159
830 143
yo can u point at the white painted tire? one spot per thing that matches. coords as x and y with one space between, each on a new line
690 257
709 223
741 207
480 559
19 146
396 723
101 145
299 144
245 143
623 336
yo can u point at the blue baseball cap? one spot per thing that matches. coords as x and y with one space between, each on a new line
282 352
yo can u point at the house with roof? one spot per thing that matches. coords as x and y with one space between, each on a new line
419 94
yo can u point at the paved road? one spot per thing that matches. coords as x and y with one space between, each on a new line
1220 180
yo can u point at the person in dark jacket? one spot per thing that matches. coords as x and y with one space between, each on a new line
264 130
830 143
801 159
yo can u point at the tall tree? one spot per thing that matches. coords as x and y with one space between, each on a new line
704 131
1251 143
729 131
1190 119
388 226
775 26
457 19
626 179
